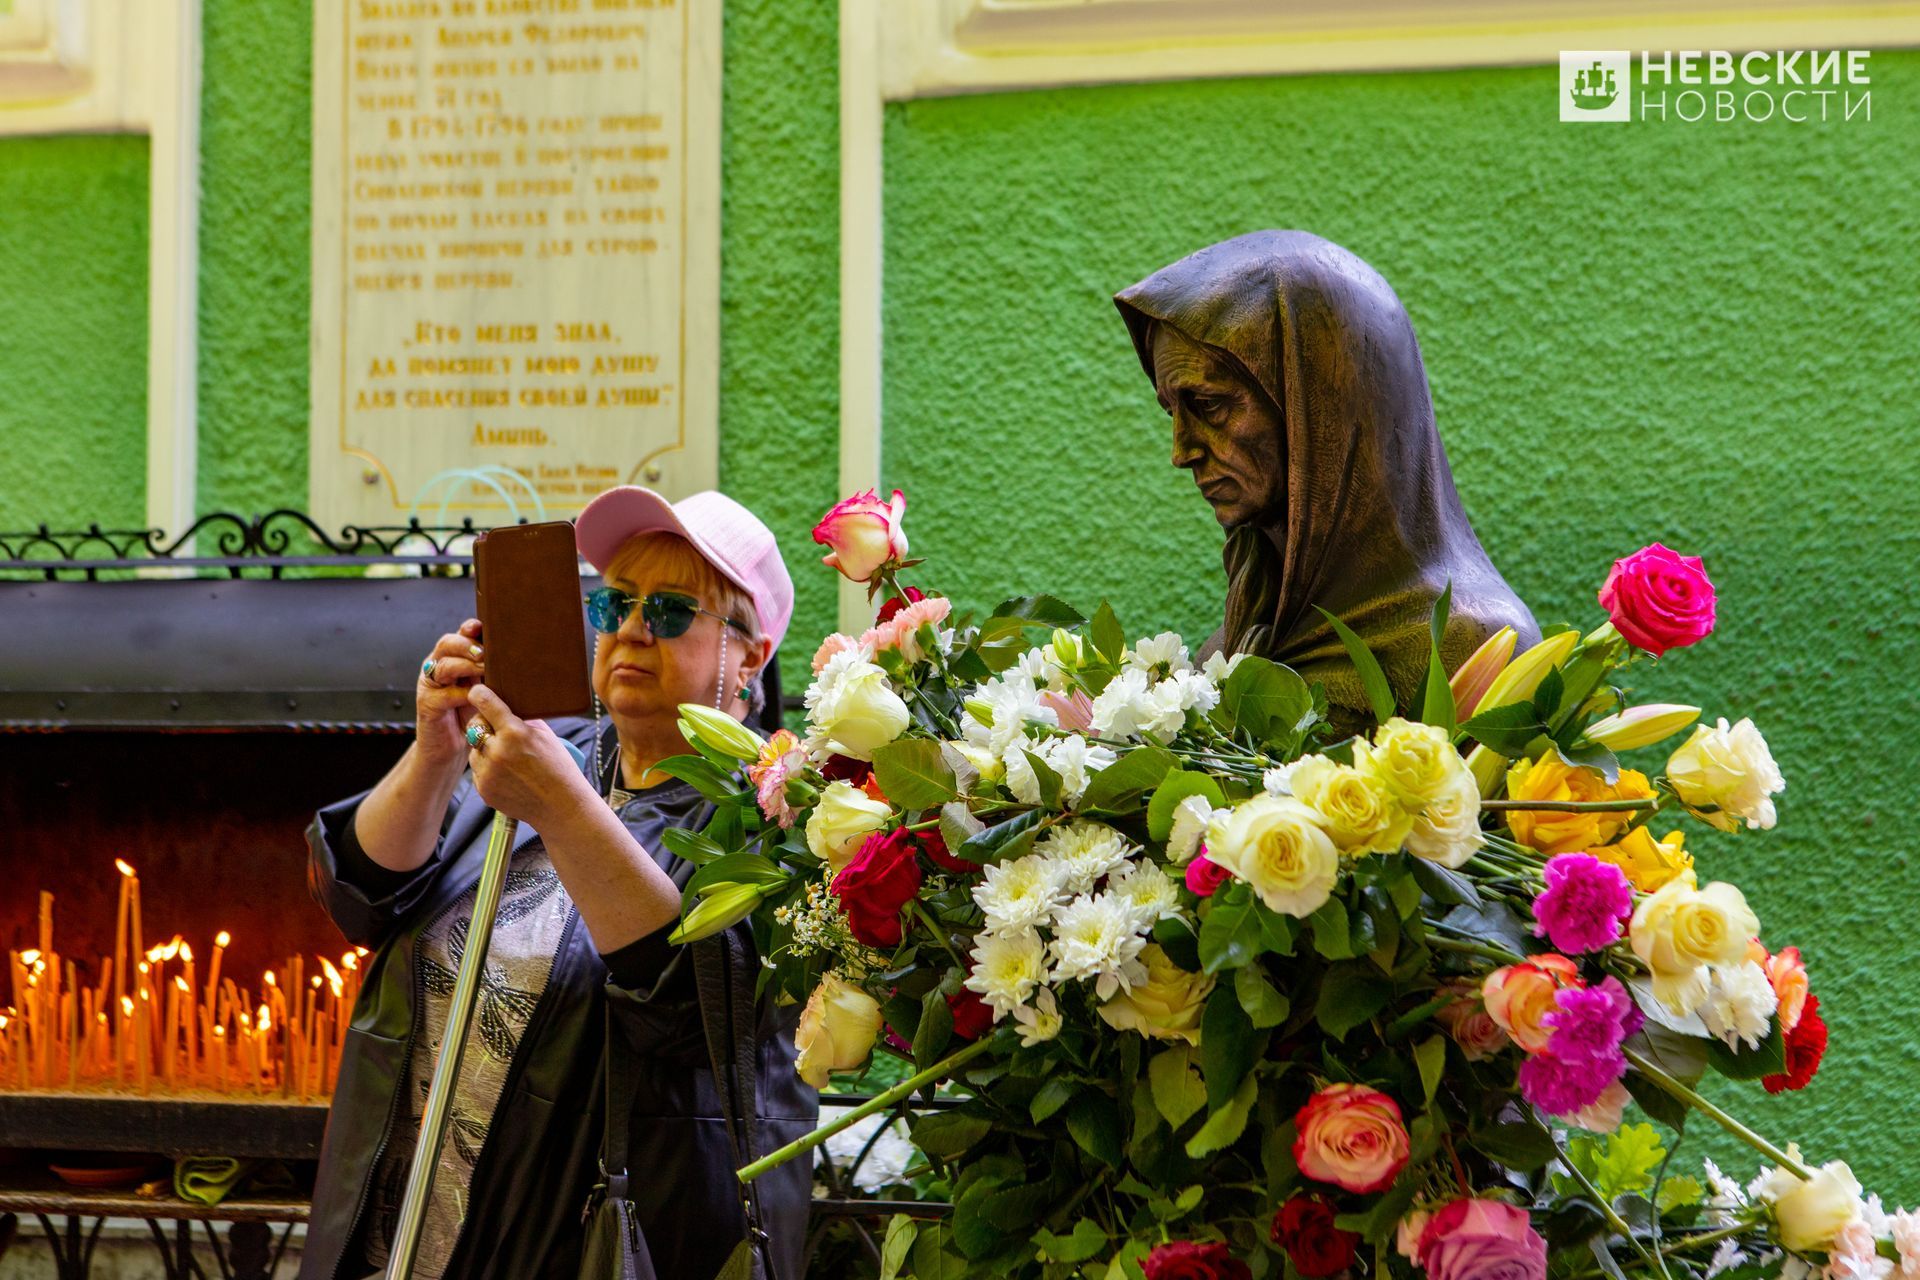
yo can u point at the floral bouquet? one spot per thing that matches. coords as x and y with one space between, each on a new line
1214 995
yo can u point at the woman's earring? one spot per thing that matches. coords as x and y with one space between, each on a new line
743 693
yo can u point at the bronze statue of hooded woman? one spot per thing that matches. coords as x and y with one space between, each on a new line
1300 404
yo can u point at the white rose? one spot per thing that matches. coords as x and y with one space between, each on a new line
1448 829
1730 770
837 1030
1811 1213
841 821
1278 846
860 711
1679 930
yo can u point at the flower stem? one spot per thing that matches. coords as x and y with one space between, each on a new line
1476 948
879 1102
1715 1114
925 917
1573 806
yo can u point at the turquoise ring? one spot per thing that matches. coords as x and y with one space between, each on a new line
478 731
426 670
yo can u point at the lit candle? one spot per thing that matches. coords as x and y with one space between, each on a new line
213 972
143 1045
190 1015
220 1056
135 949
46 922
120 933
169 1045
122 1041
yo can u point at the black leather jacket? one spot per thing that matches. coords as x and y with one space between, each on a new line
524 1214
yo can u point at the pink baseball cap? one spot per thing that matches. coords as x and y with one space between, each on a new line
732 538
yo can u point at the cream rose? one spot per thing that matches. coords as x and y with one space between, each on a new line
1358 810
1167 1006
1812 1213
837 1030
845 816
857 710
1276 844
1448 829
1729 770
1679 930
1415 762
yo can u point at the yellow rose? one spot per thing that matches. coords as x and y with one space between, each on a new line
1551 778
837 1030
1167 1006
1649 863
1811 1213
1276 844
1448 829
1415 762
1357 809
843 819
1679 930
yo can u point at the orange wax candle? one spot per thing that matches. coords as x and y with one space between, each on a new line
46 923
169 1046
213 973
120 933
141 1016
135 949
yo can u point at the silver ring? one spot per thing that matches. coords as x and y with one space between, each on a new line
478 731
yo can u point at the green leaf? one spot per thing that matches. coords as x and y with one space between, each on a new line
1228 1045
1265 699
1493 922
913 774
1048 780
1657 1102
901 1231
1508 730
1094 1122
1444 886
719 910
1438 707
1546 697
1625 1163
1087 1240
1053 1095
1349 995
1431 1057
1175 1080
702 774
947 1133
932 1260
736 868
1127 779
1515 1144
1372 678
1230 933
1224 1127
1591 755
1042 611
1004 842
1109 640
1330 930
1176 786
1678 1192
935 1030
1768 1058
690 846
1265 1007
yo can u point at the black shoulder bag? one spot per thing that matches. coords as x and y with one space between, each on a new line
727 1013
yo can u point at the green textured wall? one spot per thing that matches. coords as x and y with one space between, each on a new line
73 332
1697 334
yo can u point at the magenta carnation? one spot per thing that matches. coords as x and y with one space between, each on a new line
1560 1086
1585 905
1583 1055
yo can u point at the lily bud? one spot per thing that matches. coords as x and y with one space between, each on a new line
1641 726
1489 769
1476 675
1523 675
715 730
1067 649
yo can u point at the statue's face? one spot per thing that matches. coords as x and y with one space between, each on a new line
1225 429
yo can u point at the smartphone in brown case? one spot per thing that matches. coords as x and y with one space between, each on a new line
526 587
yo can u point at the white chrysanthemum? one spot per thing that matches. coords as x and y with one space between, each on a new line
1724 1194
1096 937
1739 1005
1148 890
1278 781
1043 666
1192 690
1039 1021
1006 969
995 715
1084 852
1160 655
1020 894
887 1160
1190 818
1074 758
1726 1257
1219 666
1794 1267
1126 708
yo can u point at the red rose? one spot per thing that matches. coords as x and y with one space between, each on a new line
1304 1228
935 846
1806 1045
876 884
895 604
1204 875
846 769
971 1015
1659 599
1192 1260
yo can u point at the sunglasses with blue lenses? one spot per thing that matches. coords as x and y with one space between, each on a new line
667 614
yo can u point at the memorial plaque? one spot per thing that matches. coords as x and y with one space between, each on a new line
516 213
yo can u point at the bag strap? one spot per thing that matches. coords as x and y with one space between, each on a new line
621 1084
727 1015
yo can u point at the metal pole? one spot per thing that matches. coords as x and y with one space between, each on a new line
453 1046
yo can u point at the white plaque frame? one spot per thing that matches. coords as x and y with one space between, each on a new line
372 476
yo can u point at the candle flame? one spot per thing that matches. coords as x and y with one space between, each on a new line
222 938
126 1005
180 983
3 1022
333 974
350 961
361 951
102 1015
28 957
219 1030
145 967
246 1019
186 953
269 979
154 954
266 1018
125 869
144 994
337 990
316 982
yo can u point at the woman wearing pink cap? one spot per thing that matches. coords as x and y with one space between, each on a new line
585 1012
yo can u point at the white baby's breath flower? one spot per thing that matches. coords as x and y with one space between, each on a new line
1148 890
1039 1021
1084 852
1020 894
1006 968
1724 1195
1160 655
1097 937
1739 1005
1190 818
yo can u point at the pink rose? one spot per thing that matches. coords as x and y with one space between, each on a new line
1204 875
1659 599
1468 1022
1482 1240
862 533
1351 1136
